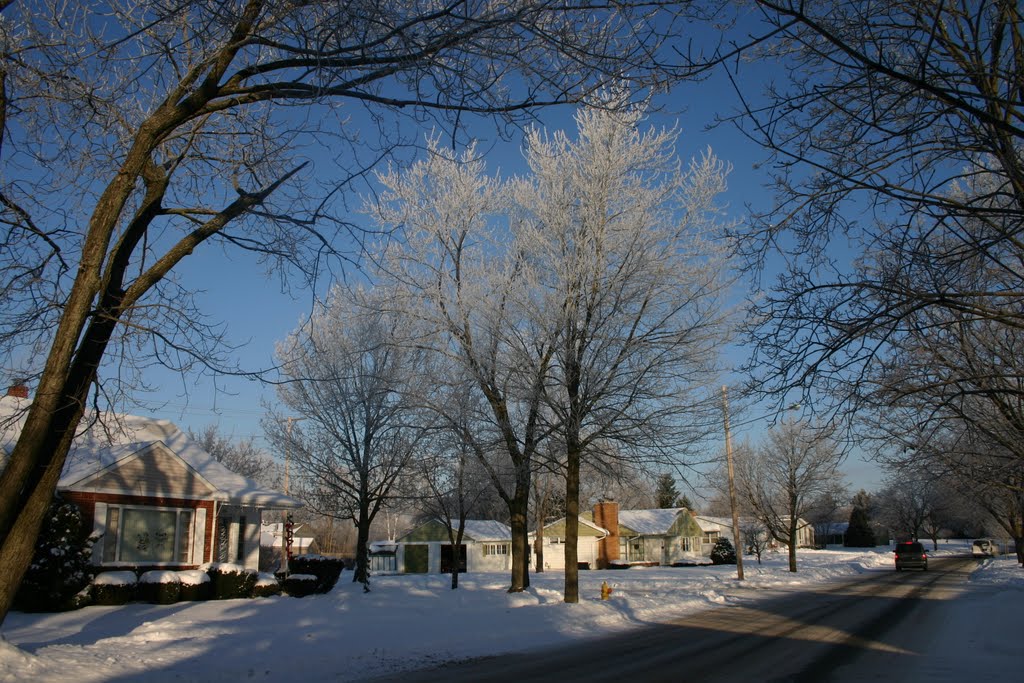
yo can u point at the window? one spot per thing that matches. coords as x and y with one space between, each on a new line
147 535
709 537
495 549
240 550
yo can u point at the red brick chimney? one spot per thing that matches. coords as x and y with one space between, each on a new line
606 515
19 390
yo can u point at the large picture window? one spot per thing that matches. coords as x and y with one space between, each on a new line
147 535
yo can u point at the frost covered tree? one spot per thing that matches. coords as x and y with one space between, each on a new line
584 298
781 479
354 423
630 288
461 276
241 456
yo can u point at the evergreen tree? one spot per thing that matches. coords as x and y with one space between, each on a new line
60 564
666 493
723 552
859 534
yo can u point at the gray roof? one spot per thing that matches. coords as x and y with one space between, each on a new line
103 443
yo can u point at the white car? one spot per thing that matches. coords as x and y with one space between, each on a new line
985 547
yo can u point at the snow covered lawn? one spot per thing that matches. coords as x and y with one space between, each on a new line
414 621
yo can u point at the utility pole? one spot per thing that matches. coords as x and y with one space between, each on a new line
732 487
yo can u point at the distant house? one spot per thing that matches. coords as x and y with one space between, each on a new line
830 533
611 536
486 546
553 543
663 536
153 496
713 528
272 539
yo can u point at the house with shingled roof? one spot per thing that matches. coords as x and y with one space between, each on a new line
154 497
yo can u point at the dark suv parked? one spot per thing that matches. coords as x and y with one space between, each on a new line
911 555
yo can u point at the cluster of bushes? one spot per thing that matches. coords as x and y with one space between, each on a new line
216 581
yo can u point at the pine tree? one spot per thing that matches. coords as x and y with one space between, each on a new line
60 564
859 534
666 493
723 552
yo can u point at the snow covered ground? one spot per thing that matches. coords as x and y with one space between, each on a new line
414 621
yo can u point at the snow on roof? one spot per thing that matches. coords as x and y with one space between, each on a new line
105 442
709 523
487 530
649 522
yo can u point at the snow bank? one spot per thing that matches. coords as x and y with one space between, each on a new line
412 621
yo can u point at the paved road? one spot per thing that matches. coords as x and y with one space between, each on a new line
861 630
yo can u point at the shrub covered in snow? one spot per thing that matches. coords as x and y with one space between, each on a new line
723 552
194 585
160 587
325 569
113 588
266 586
300 585
60 563
230 580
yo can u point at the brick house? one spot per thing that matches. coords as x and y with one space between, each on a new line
153 496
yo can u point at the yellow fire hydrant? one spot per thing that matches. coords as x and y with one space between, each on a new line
606 590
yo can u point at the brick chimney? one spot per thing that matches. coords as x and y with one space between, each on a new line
18 390
606 515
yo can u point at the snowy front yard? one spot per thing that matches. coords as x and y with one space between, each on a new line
406 622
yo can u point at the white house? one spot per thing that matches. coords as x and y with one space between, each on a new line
427 549
714 528
590 536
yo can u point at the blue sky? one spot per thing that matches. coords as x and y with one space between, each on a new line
257 314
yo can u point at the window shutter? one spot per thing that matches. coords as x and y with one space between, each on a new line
99 528
199 537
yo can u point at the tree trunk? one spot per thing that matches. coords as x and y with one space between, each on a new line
538 547
29 481
518 508
362 572
572 522
792 543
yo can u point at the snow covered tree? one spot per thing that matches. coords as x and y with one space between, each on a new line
781 479
460 275
630 283
723 552
355 424
241 456
60 564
